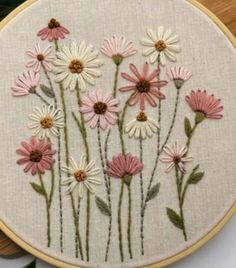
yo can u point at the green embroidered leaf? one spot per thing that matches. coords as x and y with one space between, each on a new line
195 169
187 127
102 206
47 91
195 178
31 265
38 189
153 192
175 218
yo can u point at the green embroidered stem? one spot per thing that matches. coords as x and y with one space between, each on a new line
116 81
107 190
106 155
119 222
41 98
173 120
142 198
84 136
52 186
78 233
129 223
47 209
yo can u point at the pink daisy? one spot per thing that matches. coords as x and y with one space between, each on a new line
37 156
175 157
118 48
26 84
206 105
40 57
53 31
179 75
124 165
145 86
99 108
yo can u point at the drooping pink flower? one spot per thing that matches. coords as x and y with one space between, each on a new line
178 75
145 86
40 58
124 165
36 155
118 48
53 31
99 108
207 105
26 84
175 157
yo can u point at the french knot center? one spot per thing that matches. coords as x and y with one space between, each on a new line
100 107
177 159
143 86
76 66
53 23
142 117
46 122
35 156
160 45
40 57
80 175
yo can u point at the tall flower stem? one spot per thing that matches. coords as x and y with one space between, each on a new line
83 130
47 209
58 160
107 189
78 243
129 222
41 98
116 81
142 197
119 222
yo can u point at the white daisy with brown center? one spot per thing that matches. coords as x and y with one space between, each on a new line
77 64
161 44
46 121
82 175
141 127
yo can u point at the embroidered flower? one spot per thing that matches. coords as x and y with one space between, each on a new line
53 31
77 64
37 156
26 84
82 175
142 126
40 57
204 105
118 48
46 121
99 107
178 75
175 157
124 167
163 44
145 86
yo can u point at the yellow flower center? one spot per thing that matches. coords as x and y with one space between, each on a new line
100 108
142 117
160 46
46 122
80 175
53 23
40 57
35 156
76 66
143 86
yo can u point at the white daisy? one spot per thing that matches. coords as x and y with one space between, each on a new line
83 175
142 126
46 121
163 44
77 64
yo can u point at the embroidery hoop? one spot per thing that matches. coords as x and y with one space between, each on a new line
212 233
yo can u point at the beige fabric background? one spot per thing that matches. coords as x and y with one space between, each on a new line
212 59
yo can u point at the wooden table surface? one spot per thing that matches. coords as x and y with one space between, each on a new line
226 11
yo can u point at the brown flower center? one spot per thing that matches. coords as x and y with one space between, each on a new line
76 66
143 86
177 159
80 175
40 57
141 117
160 46
35 156
46 122
53 23
100 108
